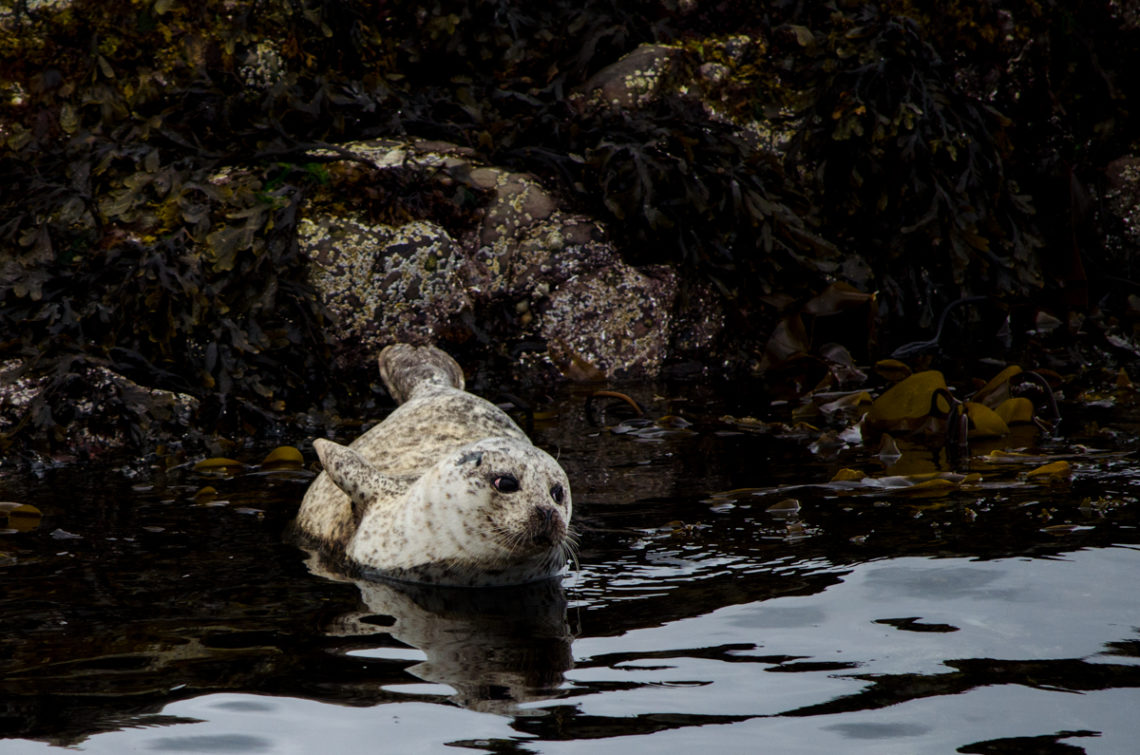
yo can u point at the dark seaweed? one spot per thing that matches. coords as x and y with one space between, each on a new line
954 149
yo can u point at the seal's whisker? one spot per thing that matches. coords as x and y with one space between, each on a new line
572 555
512 540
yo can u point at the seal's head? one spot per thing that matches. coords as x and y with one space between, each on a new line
506 495
494 512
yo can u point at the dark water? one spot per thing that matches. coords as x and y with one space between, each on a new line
144 616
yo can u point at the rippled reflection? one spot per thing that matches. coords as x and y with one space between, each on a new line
489 649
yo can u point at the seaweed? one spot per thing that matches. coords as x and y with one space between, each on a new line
155 157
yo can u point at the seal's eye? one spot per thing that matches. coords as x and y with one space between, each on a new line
557 493
505 484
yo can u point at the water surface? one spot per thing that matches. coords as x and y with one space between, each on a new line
145 614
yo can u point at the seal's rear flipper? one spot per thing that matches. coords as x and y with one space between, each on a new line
355 476
405 368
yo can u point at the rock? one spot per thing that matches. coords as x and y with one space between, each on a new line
102 410
384 283
618 319
522 270
632 81
263 66
699 322
543 258
712 72
1122 199
519 202
16 393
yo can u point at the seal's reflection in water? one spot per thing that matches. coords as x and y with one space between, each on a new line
495 646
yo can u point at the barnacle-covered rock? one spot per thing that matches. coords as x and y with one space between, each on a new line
520 269
633 80
544 257
618 319
87 412
384 283
519 201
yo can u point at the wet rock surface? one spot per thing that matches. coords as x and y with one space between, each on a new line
383 283
528 269
105 411
1123 203
634 80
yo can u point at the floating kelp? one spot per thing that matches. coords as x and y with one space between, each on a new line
892 370
283 457
1004 457
922 404
218 465
597 399
997 390
889 449
918 404
785 508
19 517
1012 457
208 496
985 422
853 482
1056 471
754 425
851 405
643 428
1063 529
910 400
932 484
1015 410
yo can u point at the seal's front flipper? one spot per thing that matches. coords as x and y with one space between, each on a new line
355 476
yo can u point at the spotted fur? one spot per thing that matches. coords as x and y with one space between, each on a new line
446 490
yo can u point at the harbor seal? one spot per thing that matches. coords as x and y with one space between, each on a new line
446 490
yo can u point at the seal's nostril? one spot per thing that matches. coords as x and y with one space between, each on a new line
546 525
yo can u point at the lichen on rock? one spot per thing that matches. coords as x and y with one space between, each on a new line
384 283
618 319
633 80
522 268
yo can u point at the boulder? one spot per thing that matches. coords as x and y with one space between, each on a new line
384 283
634 80
102 411
524 269
618 319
